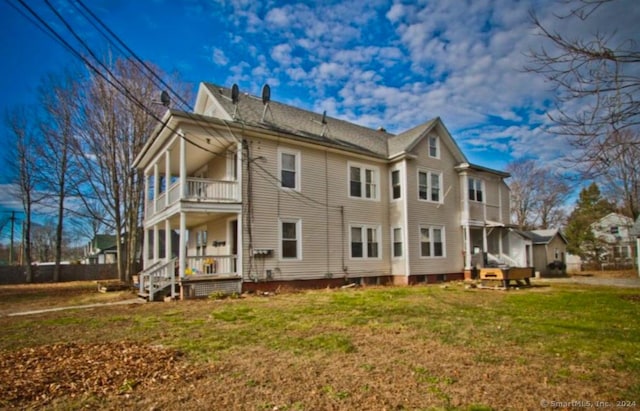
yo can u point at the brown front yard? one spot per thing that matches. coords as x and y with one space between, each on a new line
420 347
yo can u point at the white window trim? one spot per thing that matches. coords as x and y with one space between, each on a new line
397 257
430 227
482 188
298 223
441 182
365 241
437 156
298 170
376 178
391 184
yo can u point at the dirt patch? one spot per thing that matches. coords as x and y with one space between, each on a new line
30 297
37 376
631 297
607 274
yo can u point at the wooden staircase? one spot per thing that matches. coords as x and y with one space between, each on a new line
158 281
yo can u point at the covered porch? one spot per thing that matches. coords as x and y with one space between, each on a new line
495 245
193 255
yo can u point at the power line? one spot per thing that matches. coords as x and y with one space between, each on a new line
122 88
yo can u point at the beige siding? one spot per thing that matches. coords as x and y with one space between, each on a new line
318 205
424 213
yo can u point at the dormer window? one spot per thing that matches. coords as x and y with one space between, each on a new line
434 147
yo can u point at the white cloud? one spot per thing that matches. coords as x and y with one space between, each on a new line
219 57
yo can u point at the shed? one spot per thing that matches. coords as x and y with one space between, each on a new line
549 251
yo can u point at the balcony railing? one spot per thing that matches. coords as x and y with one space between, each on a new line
200 189
203 189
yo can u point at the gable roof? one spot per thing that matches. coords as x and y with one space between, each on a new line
307 126
302 123
545 236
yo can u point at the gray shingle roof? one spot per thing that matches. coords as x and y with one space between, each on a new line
544 236
303 123
399 143
307 125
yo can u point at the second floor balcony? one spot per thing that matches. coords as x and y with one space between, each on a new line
195 189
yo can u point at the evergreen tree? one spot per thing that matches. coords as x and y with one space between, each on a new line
590 207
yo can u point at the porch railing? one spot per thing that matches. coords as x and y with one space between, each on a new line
212 265
503 259
200 189
157 277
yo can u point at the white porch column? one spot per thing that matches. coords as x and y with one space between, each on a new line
156 243
167 240
183 244
145 249
146 194
183 169
167 175
485 246
467 247
156 187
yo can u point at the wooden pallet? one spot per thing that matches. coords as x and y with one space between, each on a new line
110 286
505 276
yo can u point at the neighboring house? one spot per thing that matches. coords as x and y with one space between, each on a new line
635 232
614 234
264 194
101 250
549 251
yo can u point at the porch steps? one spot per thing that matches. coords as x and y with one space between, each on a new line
160 291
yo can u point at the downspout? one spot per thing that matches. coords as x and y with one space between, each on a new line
240 248
405 230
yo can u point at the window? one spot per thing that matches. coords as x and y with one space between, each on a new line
396 191
361 235
429 186
434 147
475 189
289 169
363 182
397 242
201 242
431 241
290 240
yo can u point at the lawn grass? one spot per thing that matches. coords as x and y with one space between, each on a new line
448 343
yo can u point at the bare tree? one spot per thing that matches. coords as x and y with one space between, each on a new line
523 197
596 77
118 119
43 240
537 195
25 164
59 95
620 174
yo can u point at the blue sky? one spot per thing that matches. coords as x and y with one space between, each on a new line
377 63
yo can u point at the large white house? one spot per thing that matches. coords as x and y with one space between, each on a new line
264 194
